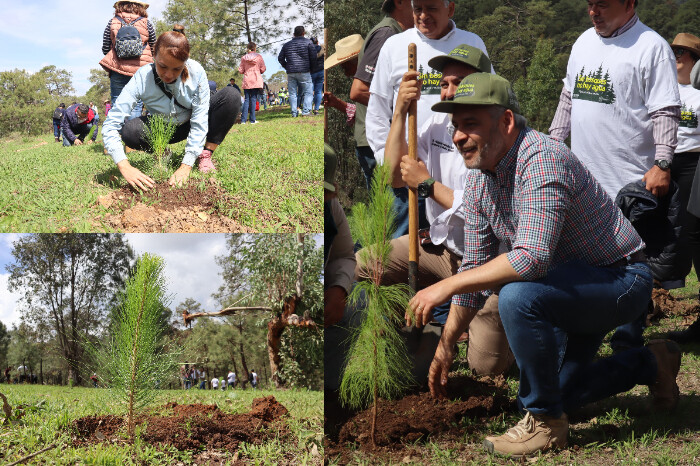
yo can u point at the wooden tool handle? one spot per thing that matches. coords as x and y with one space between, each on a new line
412 194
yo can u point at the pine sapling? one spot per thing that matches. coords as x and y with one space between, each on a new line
159 131
134 362
378 364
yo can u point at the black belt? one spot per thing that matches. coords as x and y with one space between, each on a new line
633 258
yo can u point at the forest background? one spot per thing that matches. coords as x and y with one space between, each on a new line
529 43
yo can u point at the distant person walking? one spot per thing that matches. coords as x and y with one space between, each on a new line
231 379
108 106
252 67
296 58
317 75
174 85
125 51
8 369
214 383
94 109
76 124
253 379
57 117
93 377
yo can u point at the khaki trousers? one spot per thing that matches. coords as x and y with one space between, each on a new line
489 353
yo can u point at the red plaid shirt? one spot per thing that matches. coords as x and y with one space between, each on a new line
546 208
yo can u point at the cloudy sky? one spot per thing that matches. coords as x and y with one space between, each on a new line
67 34
190 267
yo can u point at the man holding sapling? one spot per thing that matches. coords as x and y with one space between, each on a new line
573 271
76 124
439 176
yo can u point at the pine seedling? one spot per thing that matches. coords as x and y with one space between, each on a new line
159 131
135 361
378 364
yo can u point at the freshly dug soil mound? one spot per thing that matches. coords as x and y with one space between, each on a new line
667 305
192 208
192 427
417 417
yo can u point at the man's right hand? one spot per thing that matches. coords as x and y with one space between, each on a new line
439 368
77 142
409 90
134 176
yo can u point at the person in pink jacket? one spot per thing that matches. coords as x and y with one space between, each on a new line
252 67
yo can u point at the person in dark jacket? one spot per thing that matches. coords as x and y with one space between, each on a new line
317 75
296 57
233 84
77 122
57 116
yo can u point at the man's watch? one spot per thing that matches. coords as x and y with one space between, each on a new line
662 164
425 188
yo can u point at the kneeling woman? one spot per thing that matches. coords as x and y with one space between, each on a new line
177 87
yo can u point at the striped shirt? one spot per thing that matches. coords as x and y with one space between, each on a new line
546 208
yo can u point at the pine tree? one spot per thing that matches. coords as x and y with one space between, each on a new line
377 364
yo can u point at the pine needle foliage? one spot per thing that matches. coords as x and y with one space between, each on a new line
378 364
159 131
135 360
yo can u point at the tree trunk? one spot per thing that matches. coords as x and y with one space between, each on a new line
300 265
275 328
244 381
247 23
41 371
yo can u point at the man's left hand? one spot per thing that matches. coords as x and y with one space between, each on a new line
423 303
413 172
90 141
657 181
77 142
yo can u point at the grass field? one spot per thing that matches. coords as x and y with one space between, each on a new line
616 431
51 409
275 166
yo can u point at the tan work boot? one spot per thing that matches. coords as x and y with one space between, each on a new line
665 390
128 149
534 433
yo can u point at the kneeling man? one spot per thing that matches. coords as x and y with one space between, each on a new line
574 270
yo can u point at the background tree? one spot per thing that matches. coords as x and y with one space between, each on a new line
277 80
22 351
58 82
4 342
68 281
25 103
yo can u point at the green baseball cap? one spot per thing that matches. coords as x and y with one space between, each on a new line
481 89
463 53
330 162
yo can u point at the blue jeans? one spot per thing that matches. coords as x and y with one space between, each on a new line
57 130
303 81
262 98
365 156
251 96
83 131
401 210
116 84
556 324
317 79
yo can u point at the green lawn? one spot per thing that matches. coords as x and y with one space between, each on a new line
274 169
50 409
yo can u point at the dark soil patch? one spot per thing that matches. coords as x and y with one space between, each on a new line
666 305
197 428
192 208
417 418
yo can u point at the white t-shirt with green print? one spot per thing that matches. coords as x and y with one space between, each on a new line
688 128
615 83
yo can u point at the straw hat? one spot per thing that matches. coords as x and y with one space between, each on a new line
346 49
144 4
688 42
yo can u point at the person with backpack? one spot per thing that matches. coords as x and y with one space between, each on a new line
57 116
176 86
127 44
252 67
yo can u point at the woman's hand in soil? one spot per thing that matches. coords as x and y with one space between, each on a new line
180 176
439 368
134 176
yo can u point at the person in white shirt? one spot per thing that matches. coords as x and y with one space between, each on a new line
620 103
686 48
214 383
434 34
439 176
231 379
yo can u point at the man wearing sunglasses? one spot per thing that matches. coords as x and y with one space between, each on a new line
620 104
